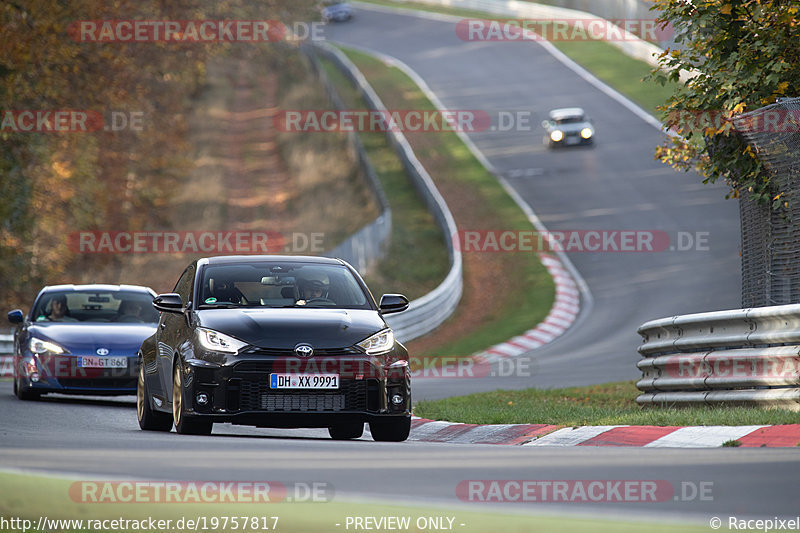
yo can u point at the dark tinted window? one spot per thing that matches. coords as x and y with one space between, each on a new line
279 284
570 120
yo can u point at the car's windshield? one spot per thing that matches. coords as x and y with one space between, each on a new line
570 120
280 284
95 306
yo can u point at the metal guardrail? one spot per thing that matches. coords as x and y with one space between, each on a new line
6 351
428 312
369 244
741 356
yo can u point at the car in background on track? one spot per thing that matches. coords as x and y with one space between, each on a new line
275 341
568 126
81 339
338 12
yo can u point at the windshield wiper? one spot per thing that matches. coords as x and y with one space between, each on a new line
217 305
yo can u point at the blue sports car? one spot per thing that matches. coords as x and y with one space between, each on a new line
82 339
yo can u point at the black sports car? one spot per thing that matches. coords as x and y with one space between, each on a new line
275 341
81 339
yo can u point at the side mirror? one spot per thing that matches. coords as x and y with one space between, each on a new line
169 302
393 303
16 316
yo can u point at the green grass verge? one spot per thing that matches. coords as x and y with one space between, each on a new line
30 497
602 59
452 165
417 258
596 405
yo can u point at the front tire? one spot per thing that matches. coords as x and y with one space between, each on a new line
390 429
149 420
185 425
346 431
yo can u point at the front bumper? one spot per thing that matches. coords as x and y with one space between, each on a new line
45 373
240 393
571 139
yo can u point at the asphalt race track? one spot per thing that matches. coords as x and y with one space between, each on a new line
100 439
614 185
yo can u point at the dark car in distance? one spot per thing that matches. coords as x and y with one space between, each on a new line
81 339
337 12
275 341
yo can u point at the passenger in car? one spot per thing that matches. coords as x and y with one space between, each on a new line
224 291
129 311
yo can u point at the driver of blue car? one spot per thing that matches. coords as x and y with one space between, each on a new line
59 312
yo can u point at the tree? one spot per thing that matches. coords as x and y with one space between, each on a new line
738 55
57 183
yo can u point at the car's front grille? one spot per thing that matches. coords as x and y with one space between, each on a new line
256 395
302 402
318 352
346 367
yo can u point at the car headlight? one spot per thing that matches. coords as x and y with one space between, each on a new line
218 342
381 342
556 135
587 133
40 346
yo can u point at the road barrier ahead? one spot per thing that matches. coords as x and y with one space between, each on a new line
741 356
427 312
6 352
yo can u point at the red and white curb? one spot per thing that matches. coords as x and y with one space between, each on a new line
565 310
424 430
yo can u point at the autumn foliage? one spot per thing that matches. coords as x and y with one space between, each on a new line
736 56
55 183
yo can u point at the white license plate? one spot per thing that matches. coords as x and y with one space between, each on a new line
304 381
573 140
90 361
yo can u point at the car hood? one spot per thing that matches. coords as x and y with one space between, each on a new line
83 338
285 328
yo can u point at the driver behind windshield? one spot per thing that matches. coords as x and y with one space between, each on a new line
59 312
311 289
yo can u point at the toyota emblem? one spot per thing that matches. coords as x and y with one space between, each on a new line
304 350
102 351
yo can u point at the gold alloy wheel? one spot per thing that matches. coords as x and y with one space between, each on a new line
177 396
140 393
